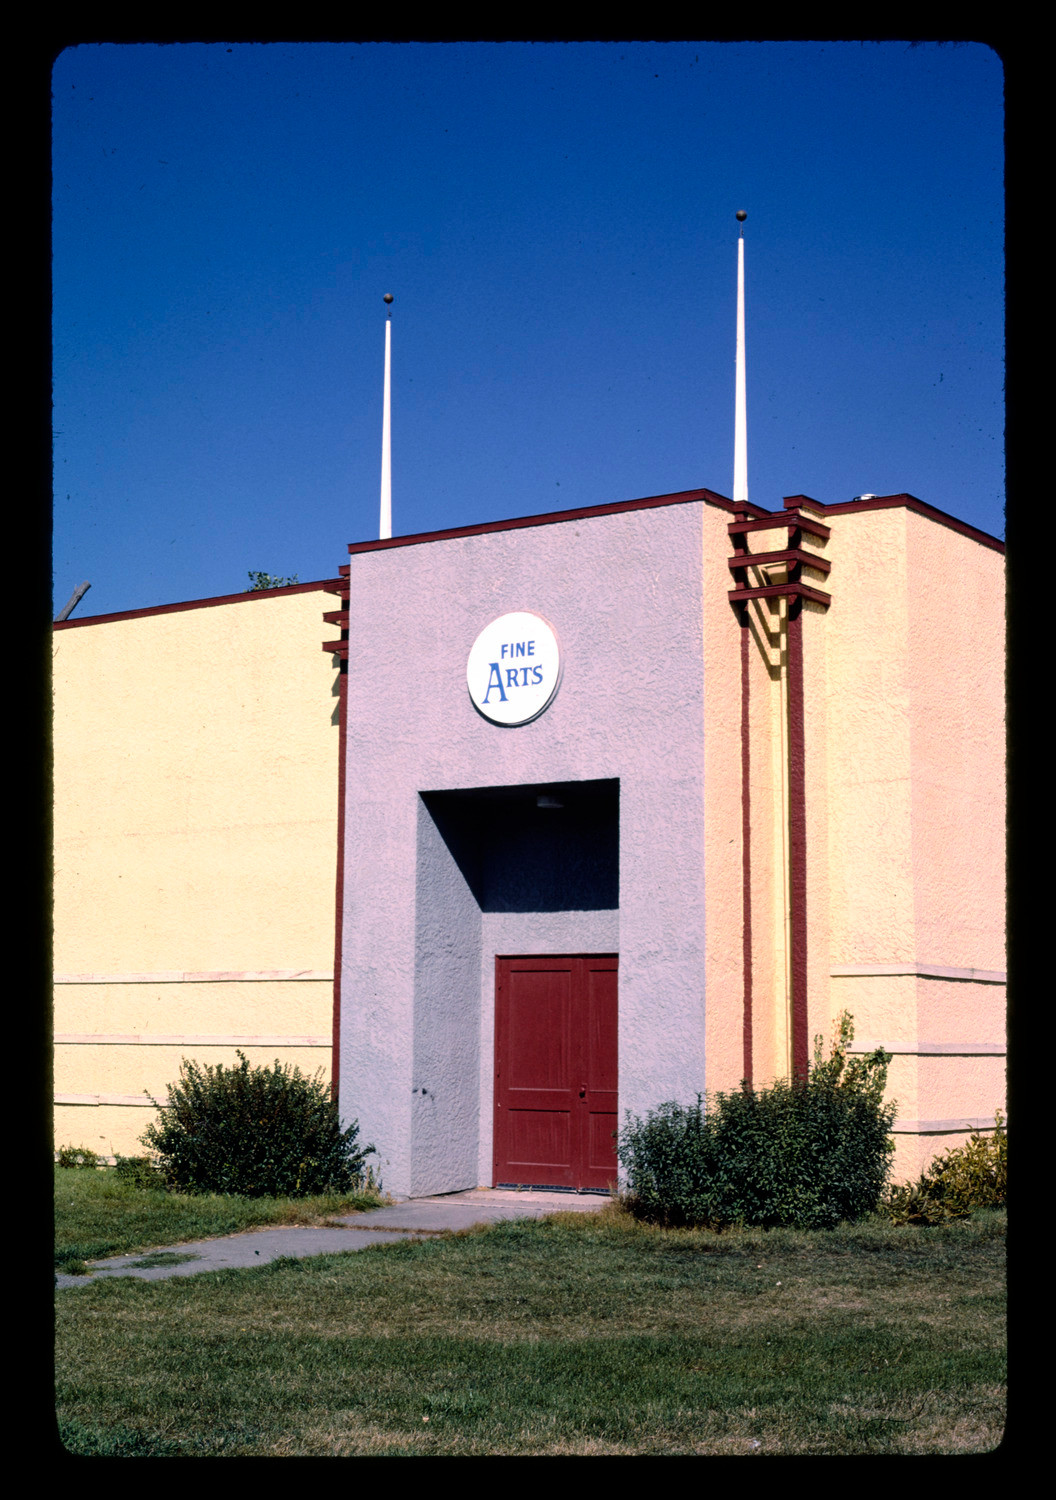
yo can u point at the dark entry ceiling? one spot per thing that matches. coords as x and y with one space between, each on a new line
548 846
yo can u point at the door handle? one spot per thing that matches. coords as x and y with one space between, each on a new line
583 1093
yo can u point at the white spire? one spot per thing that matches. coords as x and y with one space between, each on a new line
385 529
740 431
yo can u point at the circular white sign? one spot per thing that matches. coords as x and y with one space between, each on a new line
514 668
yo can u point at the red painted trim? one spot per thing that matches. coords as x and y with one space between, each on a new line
920 508
741 560
890 502
797 839
746 844
781 519
791 590
793 502
551 518
324 585
342 740
800 520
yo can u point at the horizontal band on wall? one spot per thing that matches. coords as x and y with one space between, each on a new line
199 976
139 1100
919 971
149 1039
943 1127
932 1049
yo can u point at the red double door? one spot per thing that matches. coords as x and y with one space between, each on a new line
555 1071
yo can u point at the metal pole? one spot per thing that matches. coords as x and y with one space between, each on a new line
72 602
740 432
385 529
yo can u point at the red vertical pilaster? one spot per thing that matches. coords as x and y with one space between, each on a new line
746 844
340 649
342 735
797 838
801 519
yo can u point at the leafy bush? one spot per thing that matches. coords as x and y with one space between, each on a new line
76 1156
139 1171
259 580
807 1153
258 1132
964 1178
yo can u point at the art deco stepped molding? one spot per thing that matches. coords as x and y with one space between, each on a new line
339 617
778 574
794 558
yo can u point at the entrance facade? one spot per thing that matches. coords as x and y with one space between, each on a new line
556 1071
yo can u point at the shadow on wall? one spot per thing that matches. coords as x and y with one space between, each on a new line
554 847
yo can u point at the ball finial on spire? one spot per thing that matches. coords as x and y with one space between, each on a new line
387 297
741 215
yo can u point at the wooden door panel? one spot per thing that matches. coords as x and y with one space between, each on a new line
540 1140
601 1028
556 1070
601 1146
540 1030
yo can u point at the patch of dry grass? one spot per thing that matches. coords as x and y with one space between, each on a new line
570 1336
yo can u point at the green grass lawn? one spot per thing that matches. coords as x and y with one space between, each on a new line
96 1214
574 1335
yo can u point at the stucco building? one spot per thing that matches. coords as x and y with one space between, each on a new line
619 804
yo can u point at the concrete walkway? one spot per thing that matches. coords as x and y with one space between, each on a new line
414 1219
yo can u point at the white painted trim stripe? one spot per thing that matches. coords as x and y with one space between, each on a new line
932 1049
919 971
149 1039
196 976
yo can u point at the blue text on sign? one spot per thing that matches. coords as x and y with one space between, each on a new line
512 675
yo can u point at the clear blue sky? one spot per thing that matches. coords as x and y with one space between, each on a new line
556 222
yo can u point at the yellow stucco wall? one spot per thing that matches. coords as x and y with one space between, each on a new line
869 749
869 851
956 651
904 778
195 833
915 866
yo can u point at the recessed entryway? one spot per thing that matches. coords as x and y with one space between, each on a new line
511 870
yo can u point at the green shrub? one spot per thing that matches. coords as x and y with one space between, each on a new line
807 1153
139 1171
259 580
962 1179
258 1132
76 1156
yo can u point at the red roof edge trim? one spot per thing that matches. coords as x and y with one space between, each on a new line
920 508
551 518
322 585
